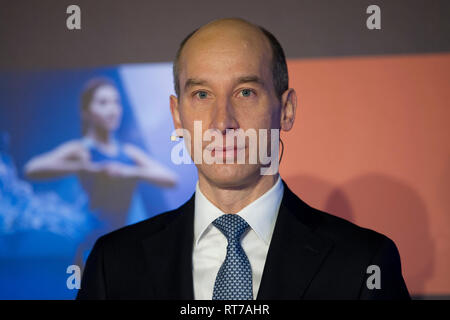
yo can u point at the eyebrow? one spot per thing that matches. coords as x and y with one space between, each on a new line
191 82
251 79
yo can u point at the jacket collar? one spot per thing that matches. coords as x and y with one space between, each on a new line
295 254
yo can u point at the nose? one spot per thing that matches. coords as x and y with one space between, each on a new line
223 116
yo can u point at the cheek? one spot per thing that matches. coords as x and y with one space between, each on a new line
275 118
119 113
97 111
262 115
101 117
256 120
94 117
189 115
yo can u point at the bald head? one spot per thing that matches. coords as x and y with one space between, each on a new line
233 27
231 36
226 31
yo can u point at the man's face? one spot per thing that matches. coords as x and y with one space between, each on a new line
226 83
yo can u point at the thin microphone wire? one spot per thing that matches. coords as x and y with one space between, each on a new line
282 150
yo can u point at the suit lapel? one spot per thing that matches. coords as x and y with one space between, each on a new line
168 255
295 253
294 257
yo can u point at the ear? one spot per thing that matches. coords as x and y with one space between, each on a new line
175 112
288 109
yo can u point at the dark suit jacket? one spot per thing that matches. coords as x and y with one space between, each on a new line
312 255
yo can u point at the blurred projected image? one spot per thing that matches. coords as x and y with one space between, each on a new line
82 153
108 169
22 209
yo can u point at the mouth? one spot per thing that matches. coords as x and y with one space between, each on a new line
226 152
113 121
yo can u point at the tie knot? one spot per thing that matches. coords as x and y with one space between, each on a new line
231 225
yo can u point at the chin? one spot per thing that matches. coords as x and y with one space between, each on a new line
229 175
113 127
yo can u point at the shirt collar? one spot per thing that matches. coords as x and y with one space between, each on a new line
261 214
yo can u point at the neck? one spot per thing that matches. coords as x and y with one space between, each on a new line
100 136
233 200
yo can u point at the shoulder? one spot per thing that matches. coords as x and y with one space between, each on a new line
69 149
131 235
135 153
348 234
139 231
353 249
353 253
345 235
72 146
132 150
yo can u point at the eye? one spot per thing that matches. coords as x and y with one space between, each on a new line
246 92
201 94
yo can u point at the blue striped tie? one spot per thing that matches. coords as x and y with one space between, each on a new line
234 279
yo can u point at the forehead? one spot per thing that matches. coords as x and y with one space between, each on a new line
105 90
226 53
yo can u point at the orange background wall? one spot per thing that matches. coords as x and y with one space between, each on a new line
371 143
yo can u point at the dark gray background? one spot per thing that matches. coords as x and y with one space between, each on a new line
33 34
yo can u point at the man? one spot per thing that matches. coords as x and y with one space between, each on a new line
243 234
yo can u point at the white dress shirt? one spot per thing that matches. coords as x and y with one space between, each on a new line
210 245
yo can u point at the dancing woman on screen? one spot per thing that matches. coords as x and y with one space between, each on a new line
108 169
